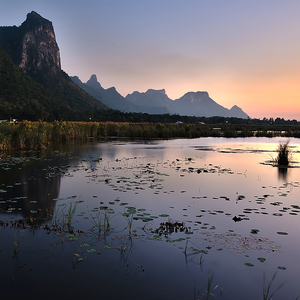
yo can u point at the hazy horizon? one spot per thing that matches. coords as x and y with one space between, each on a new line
241 53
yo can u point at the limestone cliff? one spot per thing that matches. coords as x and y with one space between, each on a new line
38 48
32 46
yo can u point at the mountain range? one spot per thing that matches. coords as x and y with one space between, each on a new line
197 104
33 85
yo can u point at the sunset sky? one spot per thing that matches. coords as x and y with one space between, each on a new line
240 52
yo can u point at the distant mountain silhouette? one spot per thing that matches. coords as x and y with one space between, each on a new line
152 98
113 99
157 102
191 104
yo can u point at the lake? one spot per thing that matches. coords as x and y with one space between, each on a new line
207 218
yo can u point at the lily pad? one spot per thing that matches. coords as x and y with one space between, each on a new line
91 250
249 265
108 247
261 259
282 233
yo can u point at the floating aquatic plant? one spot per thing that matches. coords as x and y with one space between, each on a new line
249 264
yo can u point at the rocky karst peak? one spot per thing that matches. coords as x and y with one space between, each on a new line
38 46
93 82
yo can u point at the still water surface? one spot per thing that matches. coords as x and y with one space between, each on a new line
167 219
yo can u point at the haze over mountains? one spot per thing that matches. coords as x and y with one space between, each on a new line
34 86
157 102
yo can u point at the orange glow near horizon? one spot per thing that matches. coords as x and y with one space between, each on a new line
243 53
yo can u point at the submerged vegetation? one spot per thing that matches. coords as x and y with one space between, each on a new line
28 135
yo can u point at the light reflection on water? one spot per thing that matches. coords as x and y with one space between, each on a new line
215 178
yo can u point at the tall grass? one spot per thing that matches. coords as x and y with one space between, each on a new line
27 135
283 154
101 223
70 213
64 214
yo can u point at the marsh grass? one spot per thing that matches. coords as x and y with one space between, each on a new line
27 135
97 223
58 214
64 214
283 155
129 216
70 213
129 220
267 294
101 222
205 295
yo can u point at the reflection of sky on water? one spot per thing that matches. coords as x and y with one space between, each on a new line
235 174
183 180
183 194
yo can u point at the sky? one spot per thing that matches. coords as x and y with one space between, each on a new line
243 53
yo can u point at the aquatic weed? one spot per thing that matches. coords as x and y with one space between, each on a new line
267 295
65 217
205 295
283 154
71 212
129 217
96 221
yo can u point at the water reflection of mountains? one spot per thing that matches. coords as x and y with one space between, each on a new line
29 183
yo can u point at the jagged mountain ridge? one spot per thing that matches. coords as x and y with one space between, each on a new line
190 104
33 48
113 99
157 101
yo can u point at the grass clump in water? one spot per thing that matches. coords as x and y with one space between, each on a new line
283 155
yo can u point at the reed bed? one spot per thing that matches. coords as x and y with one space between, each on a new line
28 135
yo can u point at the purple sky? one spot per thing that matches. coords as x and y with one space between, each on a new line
240 52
